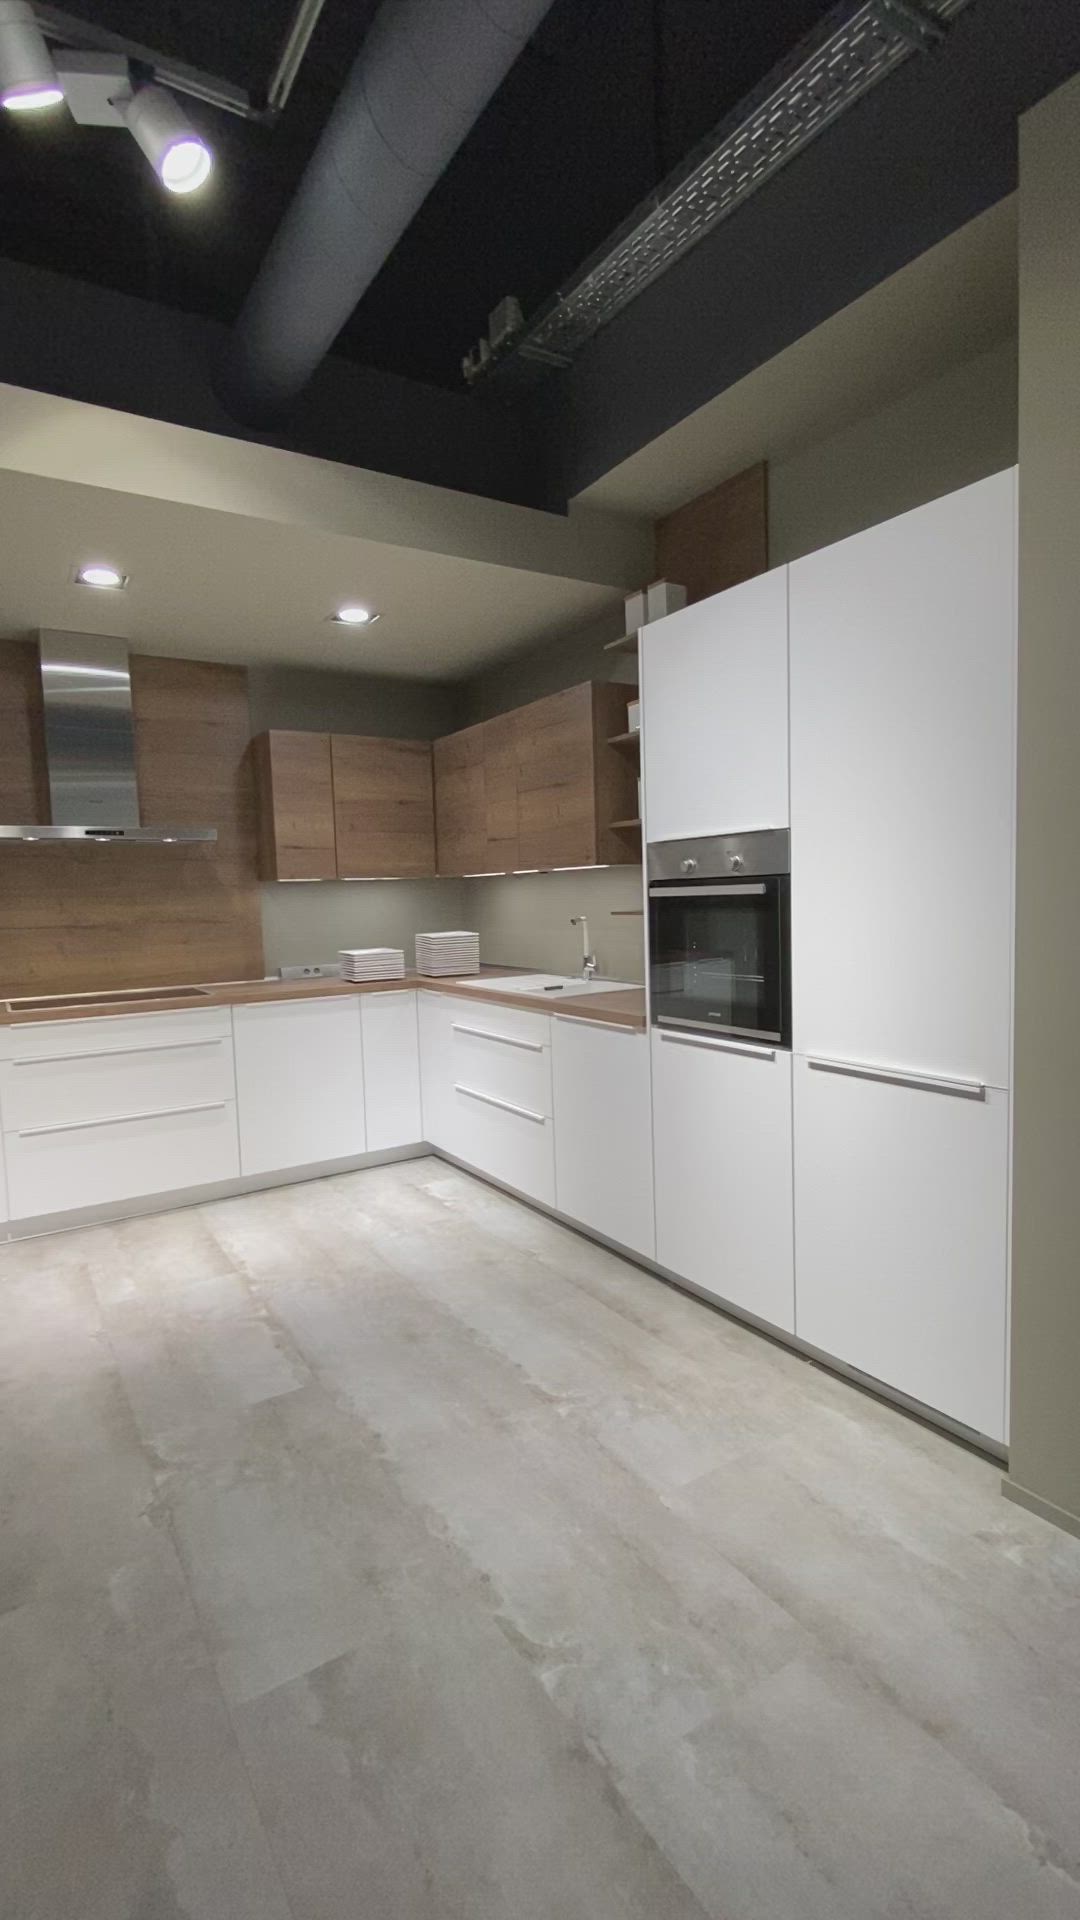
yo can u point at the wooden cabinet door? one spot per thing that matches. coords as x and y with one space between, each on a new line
556 787
460 817
501 747
296 806
714 689
903 663
901 1237
722 1147
384 807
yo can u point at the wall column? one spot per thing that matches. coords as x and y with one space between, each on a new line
1045 1446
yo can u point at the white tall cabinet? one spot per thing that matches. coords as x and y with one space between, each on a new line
903 654
714 692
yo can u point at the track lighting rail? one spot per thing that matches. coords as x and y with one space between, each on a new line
71 31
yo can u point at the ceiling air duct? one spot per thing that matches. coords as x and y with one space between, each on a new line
425 73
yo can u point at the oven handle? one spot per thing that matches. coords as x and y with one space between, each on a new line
713 893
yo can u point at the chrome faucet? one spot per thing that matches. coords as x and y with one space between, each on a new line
588 963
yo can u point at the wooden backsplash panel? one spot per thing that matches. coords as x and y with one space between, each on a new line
78 918
719 539
24 788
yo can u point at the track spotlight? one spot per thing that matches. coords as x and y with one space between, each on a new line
179 157
28 78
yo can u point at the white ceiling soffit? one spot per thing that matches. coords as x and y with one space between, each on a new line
955 301
59 439
215 585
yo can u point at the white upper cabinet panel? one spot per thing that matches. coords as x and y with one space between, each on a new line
715 713
903 653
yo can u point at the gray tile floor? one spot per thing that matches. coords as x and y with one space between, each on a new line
379 1548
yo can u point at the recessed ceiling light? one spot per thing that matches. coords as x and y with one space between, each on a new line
98 574
352 615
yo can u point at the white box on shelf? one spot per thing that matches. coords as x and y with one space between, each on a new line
663 597
635 610
633 717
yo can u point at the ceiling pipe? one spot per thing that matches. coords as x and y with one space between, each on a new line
425 73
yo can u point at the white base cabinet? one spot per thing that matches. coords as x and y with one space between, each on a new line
603 1132
722 1143
486 1081
391 1070
901 1237
299 1082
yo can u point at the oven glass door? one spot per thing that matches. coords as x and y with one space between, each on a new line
716 956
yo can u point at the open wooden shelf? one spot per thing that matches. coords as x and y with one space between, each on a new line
625 739
623 826
626 643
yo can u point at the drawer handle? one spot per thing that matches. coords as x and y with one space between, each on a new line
712 1045
930 1082
505 1039
121 1119
582 1020
507 1106
109 1053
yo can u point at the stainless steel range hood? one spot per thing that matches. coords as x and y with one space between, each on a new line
90 748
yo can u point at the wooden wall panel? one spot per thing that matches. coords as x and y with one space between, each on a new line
78 918
24 788
718 539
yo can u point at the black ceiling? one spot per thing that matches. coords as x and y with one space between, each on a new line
607 98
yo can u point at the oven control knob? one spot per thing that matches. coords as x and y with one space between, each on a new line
735 861
688 865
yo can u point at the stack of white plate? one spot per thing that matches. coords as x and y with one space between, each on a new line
443 953
372 963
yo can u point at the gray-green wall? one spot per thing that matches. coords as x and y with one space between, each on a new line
1045 1442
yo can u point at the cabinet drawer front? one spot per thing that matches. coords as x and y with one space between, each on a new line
91 1164
503 1067
38 1091
37 1039
516 1147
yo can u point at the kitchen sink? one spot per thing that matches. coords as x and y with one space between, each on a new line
129 997
545 986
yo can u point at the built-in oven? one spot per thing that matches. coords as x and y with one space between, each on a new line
719 935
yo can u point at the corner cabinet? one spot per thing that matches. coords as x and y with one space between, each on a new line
546 785
714 689
344 806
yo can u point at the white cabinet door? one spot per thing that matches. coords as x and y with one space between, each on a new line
722 1145
391 1070
901 1237
603 1130
714 689
299 1082
903 649
441 1125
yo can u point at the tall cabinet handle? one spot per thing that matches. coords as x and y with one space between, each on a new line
899 1076
712 1043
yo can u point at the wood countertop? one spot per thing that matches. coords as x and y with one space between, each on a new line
623 1007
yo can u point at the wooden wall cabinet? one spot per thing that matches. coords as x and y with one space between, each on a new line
540 787
344 806
384 807
296 806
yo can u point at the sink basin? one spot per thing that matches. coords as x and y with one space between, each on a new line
130 997
546 986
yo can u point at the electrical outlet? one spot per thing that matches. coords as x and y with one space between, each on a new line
317 970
